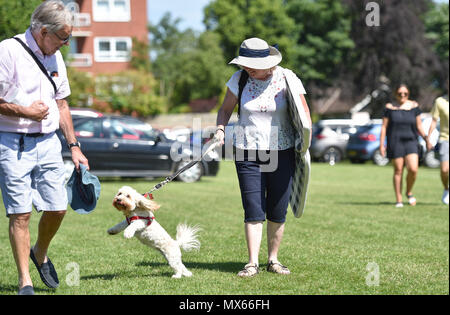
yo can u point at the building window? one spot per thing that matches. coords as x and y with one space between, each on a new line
111 10
112 49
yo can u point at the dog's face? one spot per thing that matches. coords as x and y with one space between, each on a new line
128 200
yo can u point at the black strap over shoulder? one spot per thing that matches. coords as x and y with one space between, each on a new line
242 82
40 65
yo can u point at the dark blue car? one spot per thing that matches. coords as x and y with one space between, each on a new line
364 145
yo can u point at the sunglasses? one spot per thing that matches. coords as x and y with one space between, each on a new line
63 40
402 94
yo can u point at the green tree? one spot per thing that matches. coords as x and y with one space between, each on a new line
324 43
130 92
189 66
15 16
236 20
437 24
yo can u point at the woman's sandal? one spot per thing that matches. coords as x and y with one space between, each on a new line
276 267
249 271
411 200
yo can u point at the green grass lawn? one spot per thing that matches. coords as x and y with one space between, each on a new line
350 226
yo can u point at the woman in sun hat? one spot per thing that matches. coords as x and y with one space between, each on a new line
264 141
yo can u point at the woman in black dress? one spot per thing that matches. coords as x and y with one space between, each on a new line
402 125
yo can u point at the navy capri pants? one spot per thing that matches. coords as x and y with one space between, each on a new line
265 179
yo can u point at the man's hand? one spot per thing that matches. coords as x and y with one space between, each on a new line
37 111
78 157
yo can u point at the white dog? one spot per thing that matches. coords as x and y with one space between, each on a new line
141 222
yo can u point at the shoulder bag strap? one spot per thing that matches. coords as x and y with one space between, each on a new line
40 65
242 82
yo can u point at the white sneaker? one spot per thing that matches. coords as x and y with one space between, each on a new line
445 197
399 205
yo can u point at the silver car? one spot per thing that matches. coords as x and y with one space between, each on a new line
330 138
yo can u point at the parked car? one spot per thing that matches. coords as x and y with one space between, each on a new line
330 138
84 112
364 145
127 147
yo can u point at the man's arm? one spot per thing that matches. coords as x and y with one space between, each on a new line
66 126
37 111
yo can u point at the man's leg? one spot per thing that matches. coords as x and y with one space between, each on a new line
19 236
48 226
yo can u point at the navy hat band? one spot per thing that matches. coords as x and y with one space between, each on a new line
254 53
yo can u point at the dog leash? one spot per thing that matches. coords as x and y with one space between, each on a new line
213 145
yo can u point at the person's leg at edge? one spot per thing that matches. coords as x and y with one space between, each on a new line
398 178
19 236
444 174
48 226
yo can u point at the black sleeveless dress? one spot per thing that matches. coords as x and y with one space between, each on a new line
402 135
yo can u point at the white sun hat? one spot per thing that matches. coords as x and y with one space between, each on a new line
255 53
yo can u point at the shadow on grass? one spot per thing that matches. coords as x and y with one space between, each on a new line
382 203
226 267
12 289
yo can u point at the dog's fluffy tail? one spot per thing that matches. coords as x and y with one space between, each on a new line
187 237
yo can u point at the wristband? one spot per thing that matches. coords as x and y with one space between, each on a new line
223 130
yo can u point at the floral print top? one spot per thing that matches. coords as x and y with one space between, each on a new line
264 122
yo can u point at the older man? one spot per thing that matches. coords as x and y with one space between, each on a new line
31 166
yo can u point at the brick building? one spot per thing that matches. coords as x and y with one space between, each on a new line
103 31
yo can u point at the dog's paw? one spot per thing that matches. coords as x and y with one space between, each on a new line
128 234
177 276
187 273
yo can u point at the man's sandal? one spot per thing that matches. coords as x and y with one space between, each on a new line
249 271
276 267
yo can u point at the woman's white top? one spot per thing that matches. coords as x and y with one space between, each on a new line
264 122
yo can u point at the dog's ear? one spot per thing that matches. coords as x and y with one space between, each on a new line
144 203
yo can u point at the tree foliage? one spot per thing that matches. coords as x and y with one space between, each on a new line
397 49
236 20
15 16
189 66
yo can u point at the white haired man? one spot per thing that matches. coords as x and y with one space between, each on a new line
31 165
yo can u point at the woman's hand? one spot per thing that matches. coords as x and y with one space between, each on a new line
382 150
219 137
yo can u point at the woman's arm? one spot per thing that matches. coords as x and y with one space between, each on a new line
224 114
383 136
421 131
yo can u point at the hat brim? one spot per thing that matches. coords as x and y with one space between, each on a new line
89 187
268 62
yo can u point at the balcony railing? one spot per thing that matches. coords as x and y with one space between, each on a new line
82 19
80 60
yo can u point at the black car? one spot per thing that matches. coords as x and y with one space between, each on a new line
123 146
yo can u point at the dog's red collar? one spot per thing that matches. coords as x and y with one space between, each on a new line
149 219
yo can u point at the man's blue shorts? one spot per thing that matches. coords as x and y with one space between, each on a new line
265 193
32 176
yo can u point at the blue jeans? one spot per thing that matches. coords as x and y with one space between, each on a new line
265 193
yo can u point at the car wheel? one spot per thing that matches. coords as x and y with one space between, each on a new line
332 155
190 175
68 169
430 160
379 160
